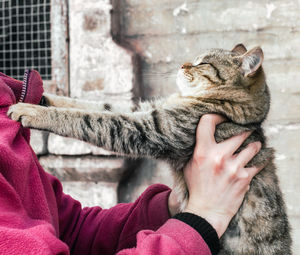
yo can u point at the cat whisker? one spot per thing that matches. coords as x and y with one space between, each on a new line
160 76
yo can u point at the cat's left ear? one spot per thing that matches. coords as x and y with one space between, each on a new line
239 49
252 61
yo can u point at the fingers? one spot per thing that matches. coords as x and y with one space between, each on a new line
247 154
206 128
252 171
233 143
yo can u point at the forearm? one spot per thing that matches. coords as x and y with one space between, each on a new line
171 238
92 229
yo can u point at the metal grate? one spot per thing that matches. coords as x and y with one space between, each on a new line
25 37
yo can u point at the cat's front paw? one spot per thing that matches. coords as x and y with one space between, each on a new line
47 99
27 114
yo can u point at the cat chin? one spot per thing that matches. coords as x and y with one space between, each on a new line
182 83
186 89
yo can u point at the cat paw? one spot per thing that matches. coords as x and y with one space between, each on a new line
27 114
47 99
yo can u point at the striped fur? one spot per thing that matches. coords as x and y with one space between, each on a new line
231 83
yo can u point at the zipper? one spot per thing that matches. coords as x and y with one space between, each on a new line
24 85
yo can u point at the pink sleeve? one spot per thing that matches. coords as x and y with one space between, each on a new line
95 230
21 233
173 238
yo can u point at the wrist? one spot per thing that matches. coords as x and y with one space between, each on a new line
173 204
219 221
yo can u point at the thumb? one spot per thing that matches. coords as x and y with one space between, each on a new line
206 128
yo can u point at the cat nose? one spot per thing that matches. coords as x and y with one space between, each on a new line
186 66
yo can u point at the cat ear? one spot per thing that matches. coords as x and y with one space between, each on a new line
252 61
239 49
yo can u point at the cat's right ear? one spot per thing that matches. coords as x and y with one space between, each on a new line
239 49
252 61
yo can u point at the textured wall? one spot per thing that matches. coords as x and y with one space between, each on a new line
167 33
156 37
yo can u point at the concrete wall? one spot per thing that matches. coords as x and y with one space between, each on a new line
151 40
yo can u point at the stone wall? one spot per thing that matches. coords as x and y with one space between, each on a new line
120 50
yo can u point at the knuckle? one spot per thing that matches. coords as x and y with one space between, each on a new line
207 118
233 174
198 153
240 165
245 181
245 177
218 163
255 147
199 156
240 174
219 160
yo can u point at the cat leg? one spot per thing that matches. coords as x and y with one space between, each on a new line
180 188
68 102
152 134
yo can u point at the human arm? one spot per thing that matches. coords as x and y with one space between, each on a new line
216 176
91 230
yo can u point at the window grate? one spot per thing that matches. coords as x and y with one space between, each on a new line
25 37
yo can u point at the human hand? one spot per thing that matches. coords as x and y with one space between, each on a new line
217 179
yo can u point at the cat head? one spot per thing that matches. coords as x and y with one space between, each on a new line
235 77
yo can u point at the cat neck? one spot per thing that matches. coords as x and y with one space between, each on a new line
238 105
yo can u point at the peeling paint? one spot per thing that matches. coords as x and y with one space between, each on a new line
280 157
168 59
293 127
93 85
148 54
182 9
270 8
274 129
94 19
282 90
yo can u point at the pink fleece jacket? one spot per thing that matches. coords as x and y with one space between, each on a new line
36 217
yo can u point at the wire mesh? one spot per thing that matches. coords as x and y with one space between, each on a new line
25 37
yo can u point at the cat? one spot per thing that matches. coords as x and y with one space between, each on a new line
231 83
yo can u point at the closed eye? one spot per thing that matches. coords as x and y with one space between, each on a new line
202 63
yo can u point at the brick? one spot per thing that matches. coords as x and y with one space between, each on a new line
154 3
60 145
99 68
207 16
90 194
180 48
85 168
38 141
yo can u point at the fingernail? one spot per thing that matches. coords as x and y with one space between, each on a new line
248 133
258 146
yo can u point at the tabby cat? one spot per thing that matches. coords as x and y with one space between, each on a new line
230 83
